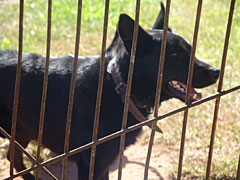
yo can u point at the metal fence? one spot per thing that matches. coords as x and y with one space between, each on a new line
152 122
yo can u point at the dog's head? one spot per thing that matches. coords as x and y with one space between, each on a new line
147 60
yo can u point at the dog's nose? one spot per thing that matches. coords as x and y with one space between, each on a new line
214 74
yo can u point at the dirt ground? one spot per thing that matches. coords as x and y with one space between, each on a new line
133 164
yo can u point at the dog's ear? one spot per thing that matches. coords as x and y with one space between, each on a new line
160 18
159 23
126 29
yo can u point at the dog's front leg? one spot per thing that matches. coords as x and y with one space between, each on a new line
18 162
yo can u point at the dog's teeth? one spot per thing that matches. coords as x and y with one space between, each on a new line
194 96
182 89
178 86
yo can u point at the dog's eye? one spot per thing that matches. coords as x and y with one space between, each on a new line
174 54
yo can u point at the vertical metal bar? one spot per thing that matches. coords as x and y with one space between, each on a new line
45 85
224 57
238 170
72 90
225 50
17 88
189 85
129 85
159 87
99 92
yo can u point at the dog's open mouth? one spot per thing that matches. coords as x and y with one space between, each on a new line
179 90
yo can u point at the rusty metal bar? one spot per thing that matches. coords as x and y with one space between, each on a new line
45 85
125 131
2 131
159 87
225 50
99 92
129 85
189 85
17 88
214 126
72 89
238 170
224 58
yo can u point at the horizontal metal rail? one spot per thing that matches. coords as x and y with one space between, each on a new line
31 158
127 130
122 133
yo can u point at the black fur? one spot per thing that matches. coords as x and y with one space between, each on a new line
143 91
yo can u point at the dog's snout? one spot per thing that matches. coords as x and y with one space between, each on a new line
214 74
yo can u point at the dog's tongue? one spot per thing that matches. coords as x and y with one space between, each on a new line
194 95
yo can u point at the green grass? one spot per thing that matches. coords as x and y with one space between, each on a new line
182 18
63 24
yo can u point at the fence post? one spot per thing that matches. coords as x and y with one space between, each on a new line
17 88
238 170
224 57
189 85
129 84
45 85
99 91
72 90
124 130
159 87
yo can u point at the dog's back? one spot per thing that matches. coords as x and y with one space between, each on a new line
32 73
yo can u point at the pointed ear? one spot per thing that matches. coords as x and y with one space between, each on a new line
159 23
126 29
160 18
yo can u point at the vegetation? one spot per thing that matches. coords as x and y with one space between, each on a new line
182 18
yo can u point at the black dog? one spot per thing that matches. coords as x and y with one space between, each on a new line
143 92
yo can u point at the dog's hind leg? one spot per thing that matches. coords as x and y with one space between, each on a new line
83 172
105 176
18 160
100 172
6 123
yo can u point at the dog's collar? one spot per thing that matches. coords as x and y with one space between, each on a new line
121 88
